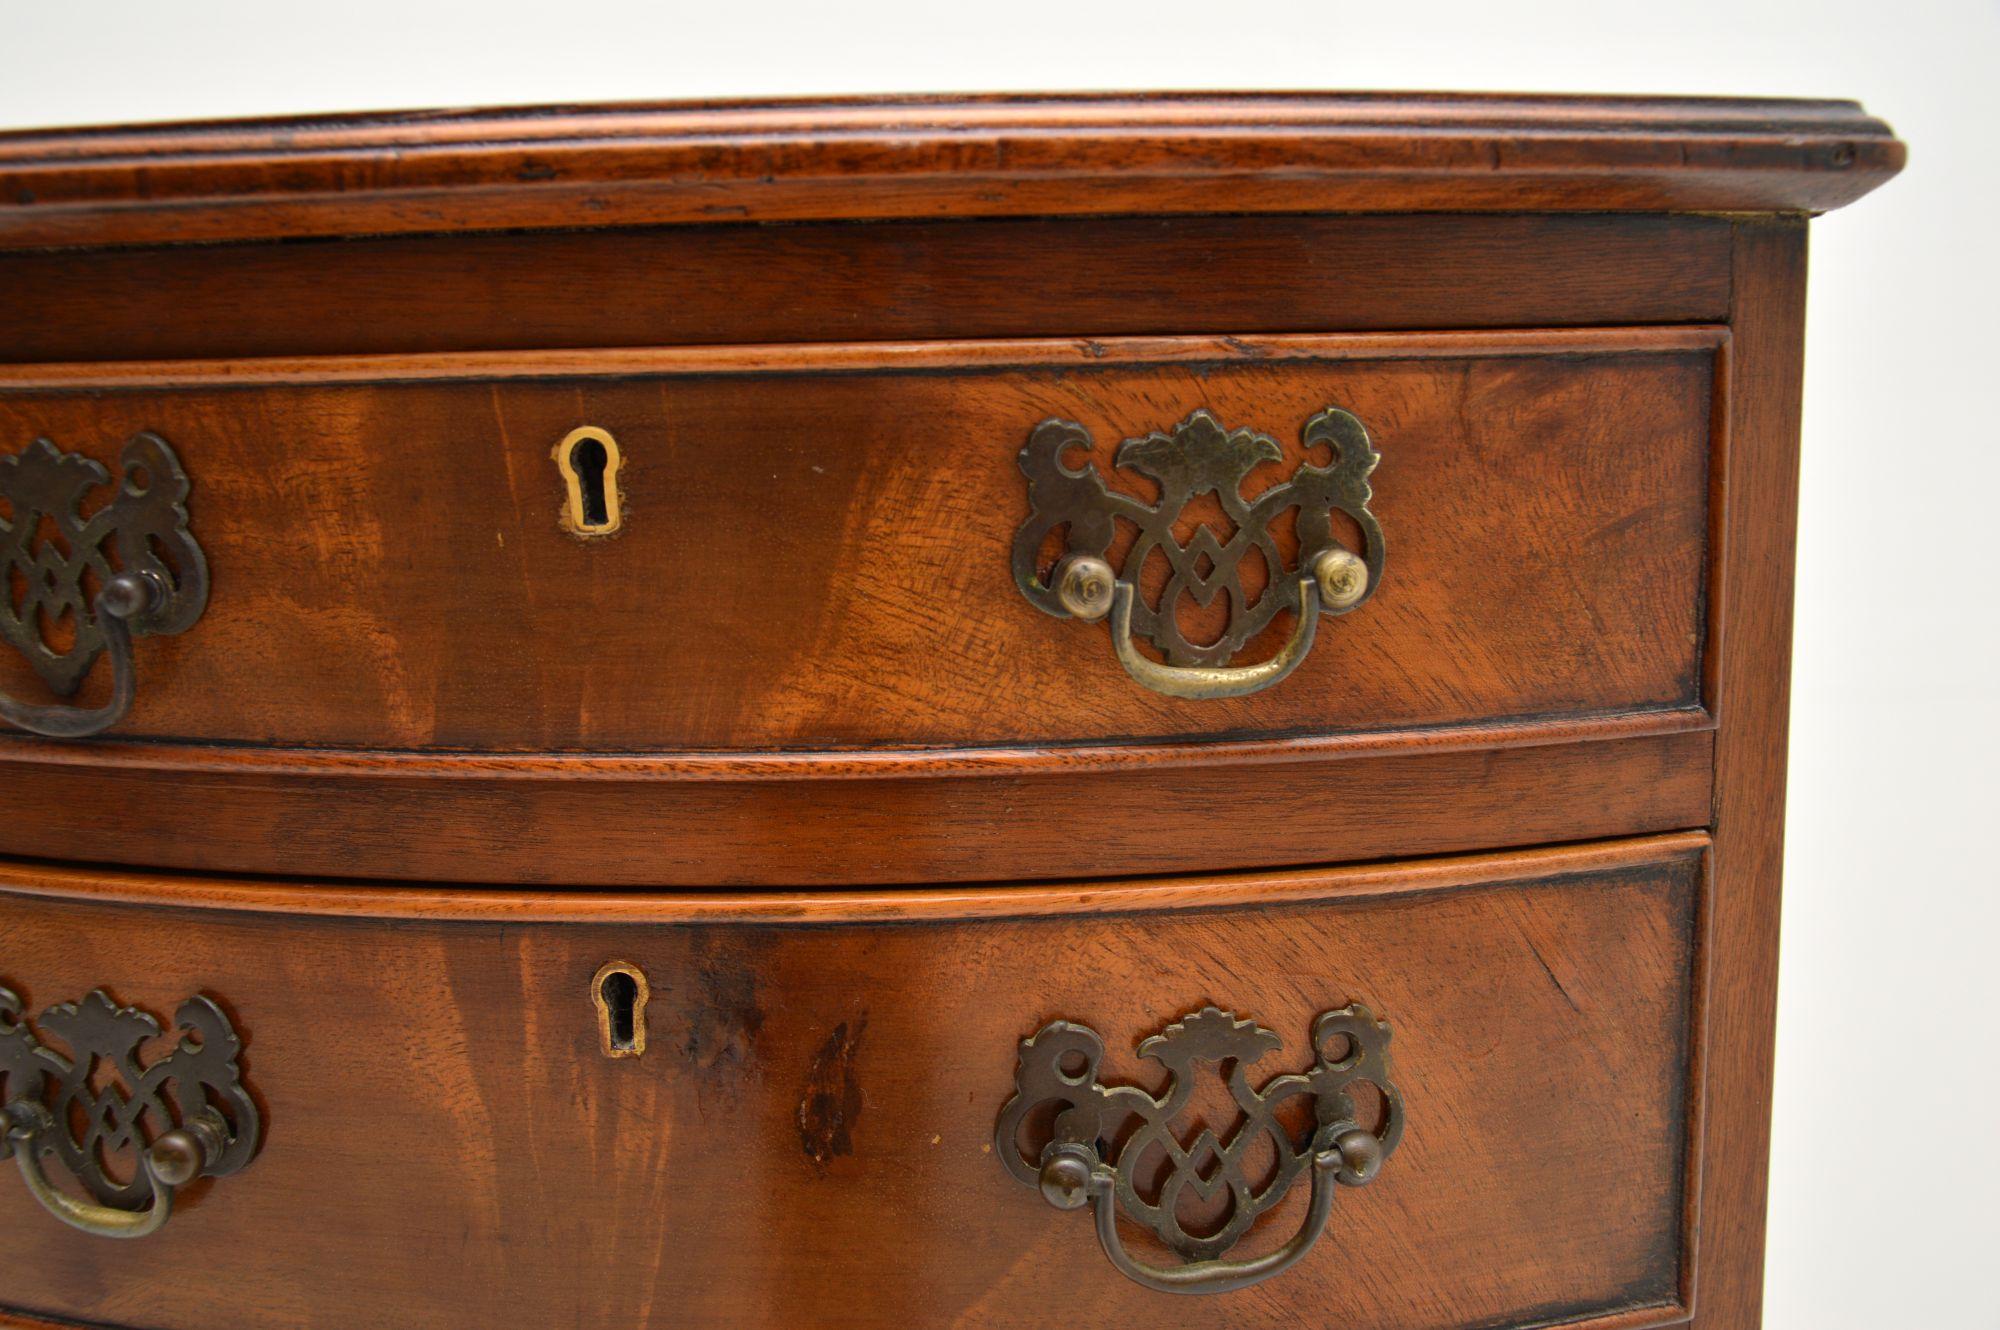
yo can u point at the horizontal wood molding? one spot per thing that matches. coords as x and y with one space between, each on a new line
954 356
1061 823
1636 1318
899 281
907 905
926 157
842 764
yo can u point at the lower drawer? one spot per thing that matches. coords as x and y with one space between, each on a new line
494 1108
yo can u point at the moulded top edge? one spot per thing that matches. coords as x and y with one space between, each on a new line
933 157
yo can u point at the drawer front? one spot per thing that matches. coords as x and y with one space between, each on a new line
806 1130
809 549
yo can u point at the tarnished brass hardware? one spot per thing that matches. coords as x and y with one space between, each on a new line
1212 680
620 992
124 597
1197 458
589 461
1100 1134
51 1104
1083 586
158 587
1341 578
177 1158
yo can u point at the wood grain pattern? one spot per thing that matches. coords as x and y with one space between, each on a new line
1098 277
1061 822
450 1145
326 898
802 668
920 157
815 542
1754 705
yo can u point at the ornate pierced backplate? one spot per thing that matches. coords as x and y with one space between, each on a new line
1124 1124
108 1102
141 528
1197 457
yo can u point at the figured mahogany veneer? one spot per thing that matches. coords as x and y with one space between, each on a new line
813 549
811 585
448 1145
436 756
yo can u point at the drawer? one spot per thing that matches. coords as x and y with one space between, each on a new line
813 550
812 612
805 1129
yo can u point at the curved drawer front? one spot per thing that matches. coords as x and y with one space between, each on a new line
811 549
709 1110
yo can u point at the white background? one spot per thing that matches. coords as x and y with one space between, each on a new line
1886 1172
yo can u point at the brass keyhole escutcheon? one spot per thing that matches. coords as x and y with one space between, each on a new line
619 991
589 461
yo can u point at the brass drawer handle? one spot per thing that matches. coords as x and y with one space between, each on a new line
1091 1159
160 585
1200 457
53 1107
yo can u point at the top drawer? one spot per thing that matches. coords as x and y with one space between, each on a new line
812 545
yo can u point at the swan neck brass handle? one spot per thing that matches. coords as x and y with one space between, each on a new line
1211 680
55 1108
1200 458
177 1158
1096 1145
1354 1155
135 547
124 598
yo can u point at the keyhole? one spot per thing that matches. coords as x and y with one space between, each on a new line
588 458
619 991
589 461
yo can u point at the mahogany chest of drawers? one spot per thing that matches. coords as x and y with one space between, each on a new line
714 715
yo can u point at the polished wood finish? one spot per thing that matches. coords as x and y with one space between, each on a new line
436 758
1547 499
800 569
1754 669
448 1141
1058 822
1108 277
935 157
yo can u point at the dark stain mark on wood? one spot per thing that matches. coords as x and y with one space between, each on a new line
832 1098
725 1017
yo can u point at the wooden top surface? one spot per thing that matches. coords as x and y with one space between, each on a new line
919 157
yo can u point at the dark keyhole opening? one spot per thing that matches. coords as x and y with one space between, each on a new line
621 993
588 460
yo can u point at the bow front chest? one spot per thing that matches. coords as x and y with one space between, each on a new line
989 712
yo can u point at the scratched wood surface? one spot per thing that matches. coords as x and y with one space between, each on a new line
816 541
805 1140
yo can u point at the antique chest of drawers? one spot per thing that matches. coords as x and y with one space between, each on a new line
714 715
